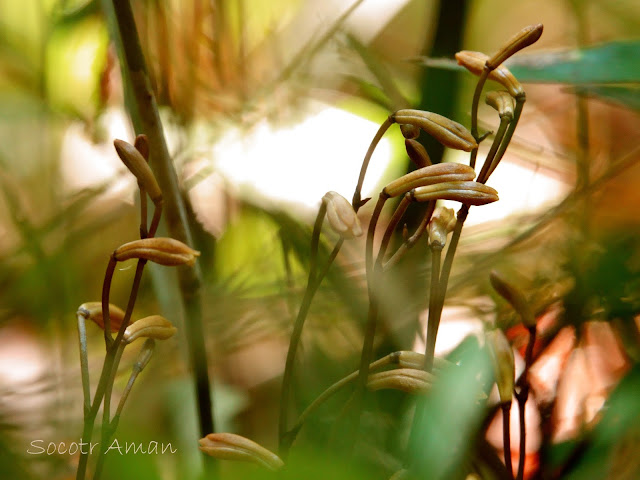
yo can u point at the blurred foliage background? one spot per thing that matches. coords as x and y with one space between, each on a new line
266 105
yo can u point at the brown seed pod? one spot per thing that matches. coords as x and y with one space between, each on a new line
475 62
229 446
142 145
341 216
469 193
154 326
451 134
502 102
162 250
409 132
520 40
93 311
417 153
514 296
137 165
432 174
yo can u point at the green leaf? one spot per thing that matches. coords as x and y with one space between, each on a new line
625 95
613 62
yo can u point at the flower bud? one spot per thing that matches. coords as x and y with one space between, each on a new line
142 145
145 354
155 326
469 193
475 62
520 40
408 380
433 174
441 224
503 363
137 165
503 102
93 311
449 133
514 296
341 216
228 446
417 153
162 250
409 132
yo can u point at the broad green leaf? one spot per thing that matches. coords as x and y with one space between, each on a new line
625 95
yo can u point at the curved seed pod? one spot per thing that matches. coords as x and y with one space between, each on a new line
415 360
475 62
417 153
469 193
229 446
514 296
441 172
520 40
409 132
449 133
93 311
155 326
503 363
341 216
142 145
408 380
441 224
162 250
137 165
503 102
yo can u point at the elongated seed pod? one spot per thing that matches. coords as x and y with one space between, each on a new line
475 62
520 40
441 224
502 102
503 363
229 446
469 193
93 311
514 296
155 326
405 379
162 250
341 216
451 134
417 153
432 174
137 165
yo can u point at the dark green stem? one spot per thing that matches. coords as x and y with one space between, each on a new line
506 436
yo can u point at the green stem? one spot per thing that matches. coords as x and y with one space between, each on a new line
135 70
509 134
84 363
486 166
298 325
474 112
144 233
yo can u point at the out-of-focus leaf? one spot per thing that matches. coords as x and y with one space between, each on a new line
625 95
613 62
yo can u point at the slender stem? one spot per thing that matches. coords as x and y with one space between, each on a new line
522 396
332 390
106 289
357 195
84 364
509 135
434 299
506 436
413 239
155 221
298 325
143 212
474 112
486 166
146 112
